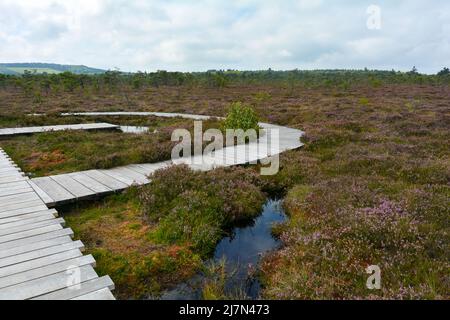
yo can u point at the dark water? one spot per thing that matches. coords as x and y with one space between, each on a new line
242 252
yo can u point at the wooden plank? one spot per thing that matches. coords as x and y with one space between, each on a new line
4 169
90 183
19 201
29 130
44 285
12 179
148 169
14 185
29 195
137 176
25 222
119 176
32 215
34 246
74 187
37 238
109 181
65 258
17 192
9 206
12 174
53 189
29 233
102 294
30 226
79 290
41 253
24 197
42 194
22 211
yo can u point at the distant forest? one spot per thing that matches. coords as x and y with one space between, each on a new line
44 84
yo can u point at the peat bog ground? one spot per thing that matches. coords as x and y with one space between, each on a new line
370 187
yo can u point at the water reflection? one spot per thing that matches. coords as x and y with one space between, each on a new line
243 251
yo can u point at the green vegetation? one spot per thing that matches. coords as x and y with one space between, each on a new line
63 152
69 151
152 237
369 188
194 208
115 234
241 117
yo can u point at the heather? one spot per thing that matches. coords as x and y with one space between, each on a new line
114 232
59 152
370 187
196 208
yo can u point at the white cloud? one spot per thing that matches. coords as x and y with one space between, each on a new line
243 34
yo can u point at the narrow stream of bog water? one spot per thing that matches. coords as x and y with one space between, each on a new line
242 252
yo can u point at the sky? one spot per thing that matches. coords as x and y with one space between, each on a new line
199 35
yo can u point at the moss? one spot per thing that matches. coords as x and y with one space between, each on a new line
194 208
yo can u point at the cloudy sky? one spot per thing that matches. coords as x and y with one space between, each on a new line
196 35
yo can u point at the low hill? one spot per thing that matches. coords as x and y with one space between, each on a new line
20 68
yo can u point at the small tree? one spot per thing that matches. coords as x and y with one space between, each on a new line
414 71
444 72
241 116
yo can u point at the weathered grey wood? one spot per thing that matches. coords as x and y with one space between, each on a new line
118 175
42 194
24 217
155 114
25 222
14 185
11 174
90 183
41 253
29 130
9 169
22 211
29 233
37 238
48 284
137 177
33 243
30 226
55 242
102 294
53 189
79 290
40 267
11 192
74 187
149 168
9 206
108 181
12 179
27 196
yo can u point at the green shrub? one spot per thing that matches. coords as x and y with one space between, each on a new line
195 208
364 102
241 116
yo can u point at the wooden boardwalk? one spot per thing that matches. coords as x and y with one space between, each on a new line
140 114
30 130
66 188
38 258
